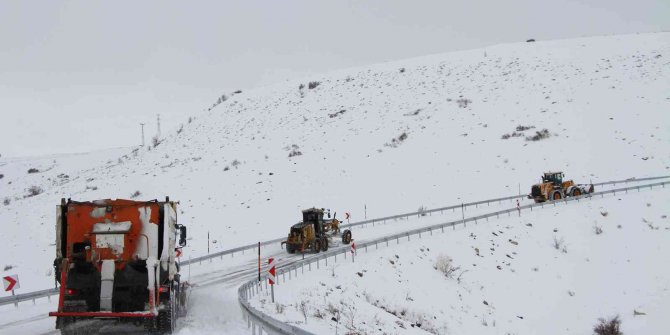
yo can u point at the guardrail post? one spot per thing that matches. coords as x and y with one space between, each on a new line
408 236
283 276
317 263
326 260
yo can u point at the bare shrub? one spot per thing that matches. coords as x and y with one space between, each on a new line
608 327
350 313
445 265
304 309
190 119
2 176
301 86
598 229
33 170
334 311
523 128
135 194
237 92
294 152
397 141
463 103
235 163
34 190
337 113
6 202
402 70
181 128
319 314
313 84
539 135
422 211
280 308
558 243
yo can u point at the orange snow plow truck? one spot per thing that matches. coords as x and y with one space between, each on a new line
116 259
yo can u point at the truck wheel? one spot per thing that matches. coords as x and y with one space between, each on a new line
290 249
576 192
324 244
556 196
167 318
346 237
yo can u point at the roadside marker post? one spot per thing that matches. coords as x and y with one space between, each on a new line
11 283
271 277
353 250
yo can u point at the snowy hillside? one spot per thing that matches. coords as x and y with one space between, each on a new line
507 276
389 138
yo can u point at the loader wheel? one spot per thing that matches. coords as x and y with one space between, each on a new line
556 196
316 246
576 192
324 244
290 249
346 237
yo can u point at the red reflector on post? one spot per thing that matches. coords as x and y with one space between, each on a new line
163 289
70 291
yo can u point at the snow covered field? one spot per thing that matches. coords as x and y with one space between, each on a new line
373 141
509 276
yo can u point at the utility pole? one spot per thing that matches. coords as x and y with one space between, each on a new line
158 122
142 125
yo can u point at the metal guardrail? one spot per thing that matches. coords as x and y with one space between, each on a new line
273 326
264 322
15 299
46 293
404 215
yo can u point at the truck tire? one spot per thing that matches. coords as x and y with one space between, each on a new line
324 244
576 192
346 237
290 249
556 196
167 319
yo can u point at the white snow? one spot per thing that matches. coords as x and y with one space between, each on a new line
111 227
145 249
604 101
510 277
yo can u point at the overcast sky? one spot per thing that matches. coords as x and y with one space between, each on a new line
81 75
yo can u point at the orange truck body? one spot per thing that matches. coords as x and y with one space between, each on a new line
117 259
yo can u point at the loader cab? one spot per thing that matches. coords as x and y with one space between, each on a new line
555 178
314 216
